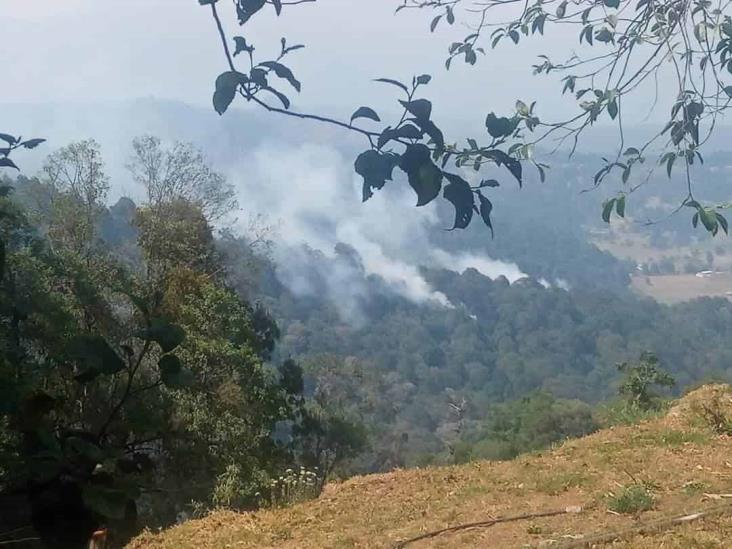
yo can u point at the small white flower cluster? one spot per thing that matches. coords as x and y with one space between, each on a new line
294 486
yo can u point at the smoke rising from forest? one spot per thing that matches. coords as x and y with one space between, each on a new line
314 199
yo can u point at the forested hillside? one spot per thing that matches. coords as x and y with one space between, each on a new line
400 379
256 251
136 384
407 366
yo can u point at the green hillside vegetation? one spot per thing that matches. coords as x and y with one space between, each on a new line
135 383
410 365
157 368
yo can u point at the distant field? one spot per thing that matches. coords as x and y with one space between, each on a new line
637 248
633 247
683 287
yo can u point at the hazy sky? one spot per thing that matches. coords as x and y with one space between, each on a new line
119 49
79 51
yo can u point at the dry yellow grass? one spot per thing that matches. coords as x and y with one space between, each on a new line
685 465
683 287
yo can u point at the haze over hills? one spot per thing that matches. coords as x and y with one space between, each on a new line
244 146
314 197
335 273
420 334
227 139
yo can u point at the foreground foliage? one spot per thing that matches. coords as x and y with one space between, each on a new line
625 47
135 382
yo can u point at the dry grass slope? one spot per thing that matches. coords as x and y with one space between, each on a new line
678 461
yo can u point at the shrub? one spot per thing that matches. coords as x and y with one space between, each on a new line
528 424
640 378
716 417
633 498
235 488
623 412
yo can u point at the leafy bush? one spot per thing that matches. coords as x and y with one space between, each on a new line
640 378
525 425
236 488
623 412
633 498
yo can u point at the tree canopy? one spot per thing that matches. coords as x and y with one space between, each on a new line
134 380
624 44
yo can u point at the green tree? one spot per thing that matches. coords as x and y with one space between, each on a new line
640 379
124 385
179 172
175 233
74 192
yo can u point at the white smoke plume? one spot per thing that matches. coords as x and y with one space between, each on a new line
309 192
313 197
492 268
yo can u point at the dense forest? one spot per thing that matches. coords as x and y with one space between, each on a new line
159 365
383 280
496 342
136 383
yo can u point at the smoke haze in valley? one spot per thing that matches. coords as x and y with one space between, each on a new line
91 63
314 198
307 192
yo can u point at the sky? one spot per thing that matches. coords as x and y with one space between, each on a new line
76 54
77 50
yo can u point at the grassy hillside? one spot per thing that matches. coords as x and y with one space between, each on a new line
628 480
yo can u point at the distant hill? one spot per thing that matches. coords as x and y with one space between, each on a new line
115 123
